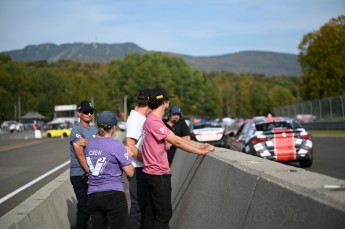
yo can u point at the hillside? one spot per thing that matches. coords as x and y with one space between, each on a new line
83 52
267 63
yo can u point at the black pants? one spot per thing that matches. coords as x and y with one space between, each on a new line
158 210
108 209
138 194
80 191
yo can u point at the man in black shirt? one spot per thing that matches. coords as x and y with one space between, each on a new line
178 126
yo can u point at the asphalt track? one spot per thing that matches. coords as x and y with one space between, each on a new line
23 161
329 156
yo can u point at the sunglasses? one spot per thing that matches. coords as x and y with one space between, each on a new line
88 112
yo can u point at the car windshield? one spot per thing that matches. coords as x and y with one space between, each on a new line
267 126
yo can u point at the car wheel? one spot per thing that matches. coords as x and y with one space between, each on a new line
49 135
306 163
65 135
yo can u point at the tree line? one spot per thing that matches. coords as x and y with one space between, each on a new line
40 86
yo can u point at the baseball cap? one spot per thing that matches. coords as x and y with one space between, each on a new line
175 110
144 94
159 93
107 119
85 106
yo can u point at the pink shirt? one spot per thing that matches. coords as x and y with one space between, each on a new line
154 150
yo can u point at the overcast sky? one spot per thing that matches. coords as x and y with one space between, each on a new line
192 27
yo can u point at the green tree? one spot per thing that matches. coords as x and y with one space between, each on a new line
280 96
322 58
191 89
6 105
247 95
259 101
14 84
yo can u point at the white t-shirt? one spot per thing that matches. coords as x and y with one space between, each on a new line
134 129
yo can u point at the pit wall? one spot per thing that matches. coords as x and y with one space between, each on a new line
53 207
228 189
224 189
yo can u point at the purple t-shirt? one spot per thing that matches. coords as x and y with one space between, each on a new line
154 146
105 158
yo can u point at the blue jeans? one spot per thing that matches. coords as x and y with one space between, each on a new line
138 194
108 209
158 210
80 191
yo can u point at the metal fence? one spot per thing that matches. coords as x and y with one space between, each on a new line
330 109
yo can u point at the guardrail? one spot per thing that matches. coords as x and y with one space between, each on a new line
323 110
324 126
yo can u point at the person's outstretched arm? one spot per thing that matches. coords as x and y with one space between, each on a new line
189 146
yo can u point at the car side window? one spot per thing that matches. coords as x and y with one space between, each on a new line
296 124
239 131
248 128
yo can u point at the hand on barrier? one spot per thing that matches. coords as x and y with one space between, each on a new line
206 148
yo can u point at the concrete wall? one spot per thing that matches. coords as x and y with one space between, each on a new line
225 189
228 189
53 206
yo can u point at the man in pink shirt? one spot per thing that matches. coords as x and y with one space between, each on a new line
156 166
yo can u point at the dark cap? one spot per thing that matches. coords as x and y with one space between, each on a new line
107 119
85 106
144 94
159 93
175 110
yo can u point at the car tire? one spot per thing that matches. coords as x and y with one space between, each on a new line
65 135
49 135
306 163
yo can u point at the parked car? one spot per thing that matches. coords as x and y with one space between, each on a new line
275 138
12 126
305 118
57 130
211 132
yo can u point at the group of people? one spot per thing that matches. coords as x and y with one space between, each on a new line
145 158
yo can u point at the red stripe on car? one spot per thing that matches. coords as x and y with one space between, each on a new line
284 145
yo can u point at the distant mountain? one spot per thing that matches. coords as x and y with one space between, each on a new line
83 52
267 63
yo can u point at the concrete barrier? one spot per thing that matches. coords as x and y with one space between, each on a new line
228 189
225 189
53 206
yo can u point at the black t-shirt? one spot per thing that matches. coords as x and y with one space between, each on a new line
179 129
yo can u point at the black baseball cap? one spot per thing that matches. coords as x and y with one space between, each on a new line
85 106
144 94
159 93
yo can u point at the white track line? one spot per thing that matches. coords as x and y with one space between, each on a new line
32 182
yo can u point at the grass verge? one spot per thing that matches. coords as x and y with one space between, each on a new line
327 132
